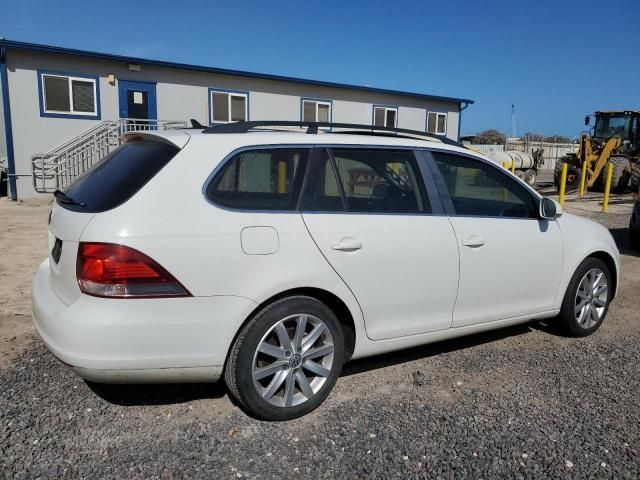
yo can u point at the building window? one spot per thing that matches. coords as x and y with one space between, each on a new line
316 111
64 95
385 116
228 107
437 123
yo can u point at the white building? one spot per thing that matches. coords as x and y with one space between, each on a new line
53 95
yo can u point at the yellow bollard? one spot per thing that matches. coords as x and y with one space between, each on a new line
282 177
607 188
583 178
513 167
563 183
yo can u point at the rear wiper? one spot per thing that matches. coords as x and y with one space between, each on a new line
66 199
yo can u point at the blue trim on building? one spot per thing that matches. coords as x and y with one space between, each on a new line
460 110
8 130
373 113
40 73
150 87
224 90
222 71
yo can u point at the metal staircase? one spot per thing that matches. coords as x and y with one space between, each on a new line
61 165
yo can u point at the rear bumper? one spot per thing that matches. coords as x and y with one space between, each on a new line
138 340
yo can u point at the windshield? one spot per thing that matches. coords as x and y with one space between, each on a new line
608 126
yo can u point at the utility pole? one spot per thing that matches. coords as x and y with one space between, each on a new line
513 120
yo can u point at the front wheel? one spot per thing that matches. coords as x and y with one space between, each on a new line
586 301
286 359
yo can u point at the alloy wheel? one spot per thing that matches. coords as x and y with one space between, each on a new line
293 360
591 298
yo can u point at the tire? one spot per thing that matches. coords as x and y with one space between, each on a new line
620 175
265 397
573 176
583 324
530 176
634 180
557 171
520 174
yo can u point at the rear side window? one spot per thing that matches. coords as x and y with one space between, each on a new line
262 179
482 190
378 180
117 177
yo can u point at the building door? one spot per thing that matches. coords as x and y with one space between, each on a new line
137 100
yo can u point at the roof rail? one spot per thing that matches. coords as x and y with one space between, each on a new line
313 128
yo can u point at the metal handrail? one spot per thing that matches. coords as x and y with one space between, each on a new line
58 167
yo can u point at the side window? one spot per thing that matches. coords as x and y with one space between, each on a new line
326 195
479 189
263 179
376 180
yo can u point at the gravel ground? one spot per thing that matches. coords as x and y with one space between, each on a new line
522 402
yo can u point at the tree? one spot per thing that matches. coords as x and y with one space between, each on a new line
490 137
533 137
557 139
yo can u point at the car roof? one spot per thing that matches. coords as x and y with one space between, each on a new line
267 137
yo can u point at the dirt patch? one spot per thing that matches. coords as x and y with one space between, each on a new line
23 245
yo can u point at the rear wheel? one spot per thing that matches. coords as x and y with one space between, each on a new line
520 174
620 175
586 300
286 359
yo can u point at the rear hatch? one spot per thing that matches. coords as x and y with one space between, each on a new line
108 184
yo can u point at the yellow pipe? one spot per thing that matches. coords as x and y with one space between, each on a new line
563 183
282 177
607 188
505 165
513 167
583 178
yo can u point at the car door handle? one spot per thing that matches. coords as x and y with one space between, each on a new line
347 244
473 241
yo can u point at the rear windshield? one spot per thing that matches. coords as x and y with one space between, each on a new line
117 177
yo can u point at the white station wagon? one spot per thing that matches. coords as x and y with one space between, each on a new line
271 257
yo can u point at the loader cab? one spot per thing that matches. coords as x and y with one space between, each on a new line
623 124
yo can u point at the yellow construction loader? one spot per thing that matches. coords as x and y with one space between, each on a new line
615 139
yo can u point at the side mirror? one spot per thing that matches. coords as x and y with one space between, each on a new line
586 121
549 210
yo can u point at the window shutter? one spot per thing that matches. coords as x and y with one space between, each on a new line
379 117
83 96
308 111
56 94
238 108
220 107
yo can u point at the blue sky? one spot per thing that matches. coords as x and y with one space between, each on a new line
555 60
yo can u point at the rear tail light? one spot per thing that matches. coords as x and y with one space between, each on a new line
117 271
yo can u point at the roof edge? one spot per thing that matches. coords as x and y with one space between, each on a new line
222 71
